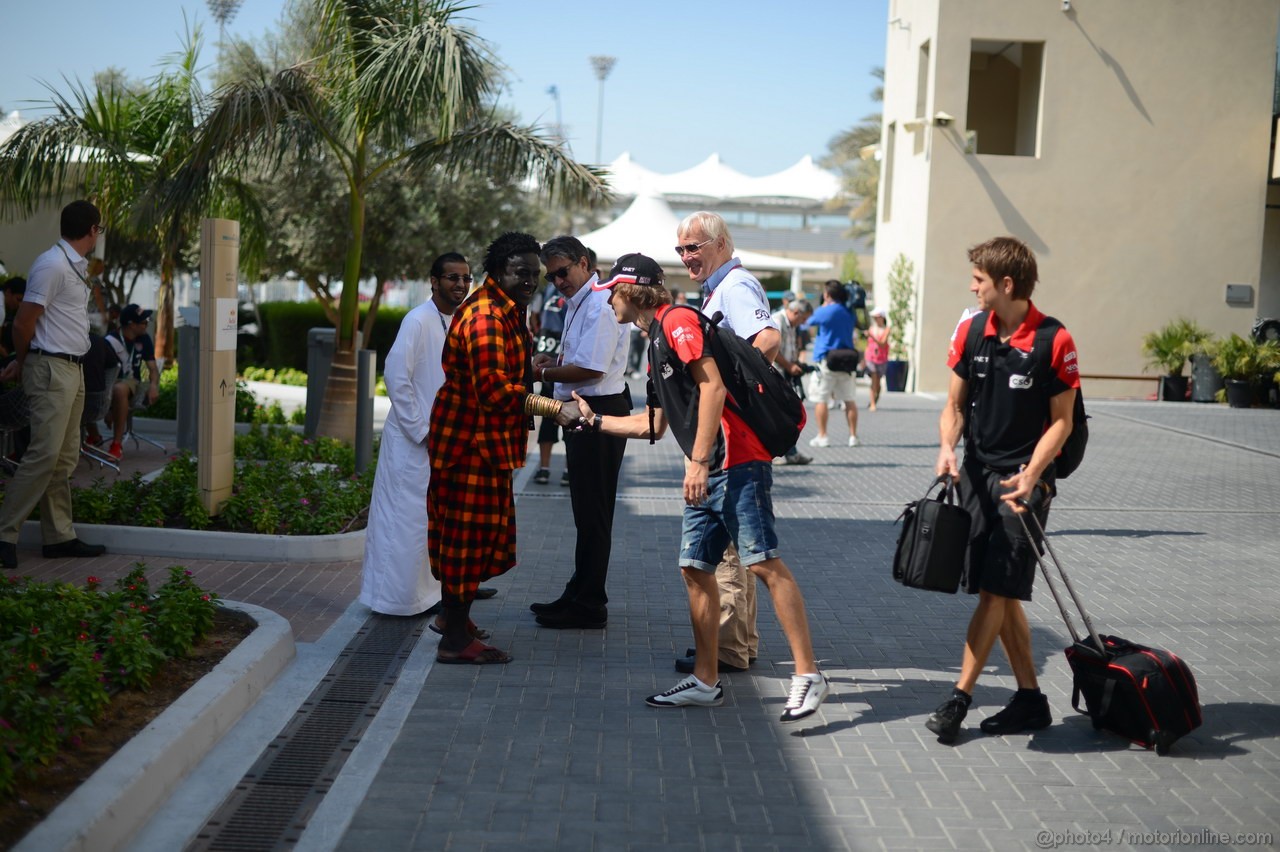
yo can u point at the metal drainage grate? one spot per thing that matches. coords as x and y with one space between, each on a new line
270 807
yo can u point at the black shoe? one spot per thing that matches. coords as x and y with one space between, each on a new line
685 665
8 556
1026 711
551 606
73 547
564 479
542 477
574 618
945 721
485 592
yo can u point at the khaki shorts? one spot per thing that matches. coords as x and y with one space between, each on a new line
829 384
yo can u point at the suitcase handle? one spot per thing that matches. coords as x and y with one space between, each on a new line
1044 569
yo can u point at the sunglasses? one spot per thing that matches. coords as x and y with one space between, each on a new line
562 272
455 277
692 248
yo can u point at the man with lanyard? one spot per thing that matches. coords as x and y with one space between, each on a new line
705 247
51 337
834 323
592 363
1016 426
727 480
133 347
396 577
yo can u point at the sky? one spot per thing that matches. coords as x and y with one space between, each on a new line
760 82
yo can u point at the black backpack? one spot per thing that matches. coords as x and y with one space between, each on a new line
1072 452
757 393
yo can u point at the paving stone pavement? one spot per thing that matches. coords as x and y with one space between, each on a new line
1169 529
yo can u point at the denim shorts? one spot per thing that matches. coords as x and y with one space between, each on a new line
738 508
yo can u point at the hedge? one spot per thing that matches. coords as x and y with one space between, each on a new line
284 326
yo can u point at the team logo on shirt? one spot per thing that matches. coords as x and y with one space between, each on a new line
762 314
679 333
1017 382
667 371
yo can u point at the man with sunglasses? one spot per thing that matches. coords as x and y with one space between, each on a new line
51 337
705 247
396 577
592 363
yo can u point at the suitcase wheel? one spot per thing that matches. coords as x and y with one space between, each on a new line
1097 723
1163 740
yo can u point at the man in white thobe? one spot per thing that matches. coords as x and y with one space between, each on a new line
396 578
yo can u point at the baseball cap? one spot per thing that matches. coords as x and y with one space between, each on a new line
133 313
634 268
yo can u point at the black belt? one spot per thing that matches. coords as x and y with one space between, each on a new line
74 359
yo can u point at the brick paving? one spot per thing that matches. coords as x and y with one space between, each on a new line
1169 527
1172 538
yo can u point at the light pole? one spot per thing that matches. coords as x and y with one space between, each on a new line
602 65
554 92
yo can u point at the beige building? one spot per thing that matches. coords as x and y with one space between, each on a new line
1126 141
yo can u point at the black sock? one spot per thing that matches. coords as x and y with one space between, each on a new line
1027 693
962 695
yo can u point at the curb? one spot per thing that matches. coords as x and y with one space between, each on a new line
119 798
204 544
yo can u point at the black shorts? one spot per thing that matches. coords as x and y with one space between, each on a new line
1000 560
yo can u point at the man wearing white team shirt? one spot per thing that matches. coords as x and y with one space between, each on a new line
50 338
396 579
705 247
592 362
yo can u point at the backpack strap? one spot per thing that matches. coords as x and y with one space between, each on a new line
972 343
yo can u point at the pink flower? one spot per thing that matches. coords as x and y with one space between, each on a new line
304 501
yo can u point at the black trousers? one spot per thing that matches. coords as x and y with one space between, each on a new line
594 462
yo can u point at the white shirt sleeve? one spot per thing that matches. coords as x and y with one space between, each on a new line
745 307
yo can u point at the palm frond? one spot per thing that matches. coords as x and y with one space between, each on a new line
507 151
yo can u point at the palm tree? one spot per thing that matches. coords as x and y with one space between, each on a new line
124 147
851 154
391 86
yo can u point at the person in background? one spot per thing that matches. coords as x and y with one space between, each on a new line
834 324
548 309
789 317
13 290
396 576
133 348
877 352
51 337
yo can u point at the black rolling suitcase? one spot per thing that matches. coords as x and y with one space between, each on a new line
1146 695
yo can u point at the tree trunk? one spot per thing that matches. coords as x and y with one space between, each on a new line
164 313
338 414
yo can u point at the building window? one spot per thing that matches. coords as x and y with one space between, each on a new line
1004 97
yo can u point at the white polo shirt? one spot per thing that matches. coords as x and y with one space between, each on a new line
741 299
594 340
57 282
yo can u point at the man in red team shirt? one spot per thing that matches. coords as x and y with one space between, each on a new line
728 475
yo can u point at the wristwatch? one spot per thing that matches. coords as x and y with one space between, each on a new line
597 422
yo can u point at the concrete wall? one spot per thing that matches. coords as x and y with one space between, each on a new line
1147 193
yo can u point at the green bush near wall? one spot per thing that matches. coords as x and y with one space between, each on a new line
284 327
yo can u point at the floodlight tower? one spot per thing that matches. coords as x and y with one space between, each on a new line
554 92
602 65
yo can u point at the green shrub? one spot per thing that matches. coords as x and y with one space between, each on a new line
282 376
284 327
64 648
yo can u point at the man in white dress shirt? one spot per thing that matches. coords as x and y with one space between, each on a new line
50 338
705 247
396 579
592 362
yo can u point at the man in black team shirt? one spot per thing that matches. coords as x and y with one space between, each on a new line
1017 424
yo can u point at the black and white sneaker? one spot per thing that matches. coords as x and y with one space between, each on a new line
807 692
689 692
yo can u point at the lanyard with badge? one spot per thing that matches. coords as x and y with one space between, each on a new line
83 280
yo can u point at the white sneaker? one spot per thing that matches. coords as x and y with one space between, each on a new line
689 692
807 692
820 441
853 440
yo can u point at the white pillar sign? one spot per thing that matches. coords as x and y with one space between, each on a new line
215 447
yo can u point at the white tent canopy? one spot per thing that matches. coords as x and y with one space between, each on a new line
713 178
649 226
